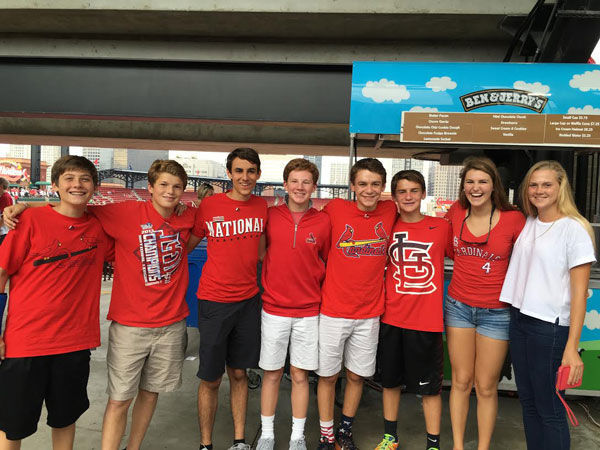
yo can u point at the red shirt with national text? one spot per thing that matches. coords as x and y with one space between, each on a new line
232 229
479 269
55 267
414 279
151 271
353 286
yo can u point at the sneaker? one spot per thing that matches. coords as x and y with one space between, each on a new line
324 444
265 444
240 446
298 444
344 441
387 443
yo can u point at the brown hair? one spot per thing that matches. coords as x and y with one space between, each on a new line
411 175
370 164
565 202
73 162
4 182
246 153
499 199
166 166
203 190
301 164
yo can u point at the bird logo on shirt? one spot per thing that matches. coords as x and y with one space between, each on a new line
355 248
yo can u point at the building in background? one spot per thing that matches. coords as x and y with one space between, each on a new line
446 182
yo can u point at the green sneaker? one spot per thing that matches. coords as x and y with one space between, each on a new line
387 443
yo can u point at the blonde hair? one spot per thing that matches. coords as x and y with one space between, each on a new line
565 202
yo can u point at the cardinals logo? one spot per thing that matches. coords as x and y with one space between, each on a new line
413 271
355 248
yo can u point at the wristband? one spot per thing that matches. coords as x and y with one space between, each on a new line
3 299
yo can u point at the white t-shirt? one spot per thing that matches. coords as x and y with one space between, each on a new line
538 281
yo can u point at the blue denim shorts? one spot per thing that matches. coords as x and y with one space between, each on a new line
490 322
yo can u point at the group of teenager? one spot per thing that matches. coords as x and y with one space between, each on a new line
356 285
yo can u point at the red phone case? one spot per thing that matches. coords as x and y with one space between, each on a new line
561 379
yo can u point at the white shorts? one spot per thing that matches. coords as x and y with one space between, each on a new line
301 333
353 340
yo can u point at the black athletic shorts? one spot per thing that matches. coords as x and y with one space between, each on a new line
25 383
411 358
229 335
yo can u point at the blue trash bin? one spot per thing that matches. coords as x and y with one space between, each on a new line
196 260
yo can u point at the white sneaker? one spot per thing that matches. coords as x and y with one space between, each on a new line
265 444
298 444
240 446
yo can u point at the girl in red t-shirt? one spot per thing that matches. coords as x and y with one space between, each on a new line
484 229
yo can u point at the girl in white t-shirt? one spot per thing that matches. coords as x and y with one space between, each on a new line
546 284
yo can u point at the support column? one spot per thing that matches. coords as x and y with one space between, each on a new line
36 156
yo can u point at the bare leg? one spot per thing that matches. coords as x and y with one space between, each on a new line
326 397
208 398
238 388
300 392
391 401
143 409
432 410
269 392
63 438
461 349
6 444
489 359
115 421
352 394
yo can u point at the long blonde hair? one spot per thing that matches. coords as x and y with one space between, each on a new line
565 202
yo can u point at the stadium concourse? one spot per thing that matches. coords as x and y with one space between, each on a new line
175 425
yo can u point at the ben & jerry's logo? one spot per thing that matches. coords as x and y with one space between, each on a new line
354 248
514 97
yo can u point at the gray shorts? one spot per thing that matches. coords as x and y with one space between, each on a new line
144 358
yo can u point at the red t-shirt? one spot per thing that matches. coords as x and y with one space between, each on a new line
294 266
414 280
479 270
55 268
5 200
232 229
151 272
353 286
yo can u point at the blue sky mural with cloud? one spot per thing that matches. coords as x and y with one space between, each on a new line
381 91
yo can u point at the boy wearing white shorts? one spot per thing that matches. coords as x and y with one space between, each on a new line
352 296
292 297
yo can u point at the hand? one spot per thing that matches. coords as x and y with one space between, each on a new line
11 213
2 348
180 208
572 359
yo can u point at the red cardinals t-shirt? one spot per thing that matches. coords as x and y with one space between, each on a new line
479 269
414 279
55 268
353 286
232 229
151 272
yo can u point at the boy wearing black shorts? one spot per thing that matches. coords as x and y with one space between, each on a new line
410 342
229 302
54 261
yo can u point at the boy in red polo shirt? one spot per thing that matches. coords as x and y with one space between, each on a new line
229 301
54 261
410 340
352 296
298 240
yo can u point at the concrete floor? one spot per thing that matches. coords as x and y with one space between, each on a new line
175 422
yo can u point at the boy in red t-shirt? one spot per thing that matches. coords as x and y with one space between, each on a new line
410 339
228 298
54 261
352 296
298 240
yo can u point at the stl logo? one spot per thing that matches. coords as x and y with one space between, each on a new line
413 269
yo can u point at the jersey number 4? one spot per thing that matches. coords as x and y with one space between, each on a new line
486 267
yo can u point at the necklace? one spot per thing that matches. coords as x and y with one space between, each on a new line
536 237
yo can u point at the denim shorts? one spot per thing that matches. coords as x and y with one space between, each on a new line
490 322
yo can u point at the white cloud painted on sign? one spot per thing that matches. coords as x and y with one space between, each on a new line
592 320
590 79
536 87
385 90
587 109
438 84
423 109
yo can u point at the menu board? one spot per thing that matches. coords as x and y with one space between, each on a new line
502 128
